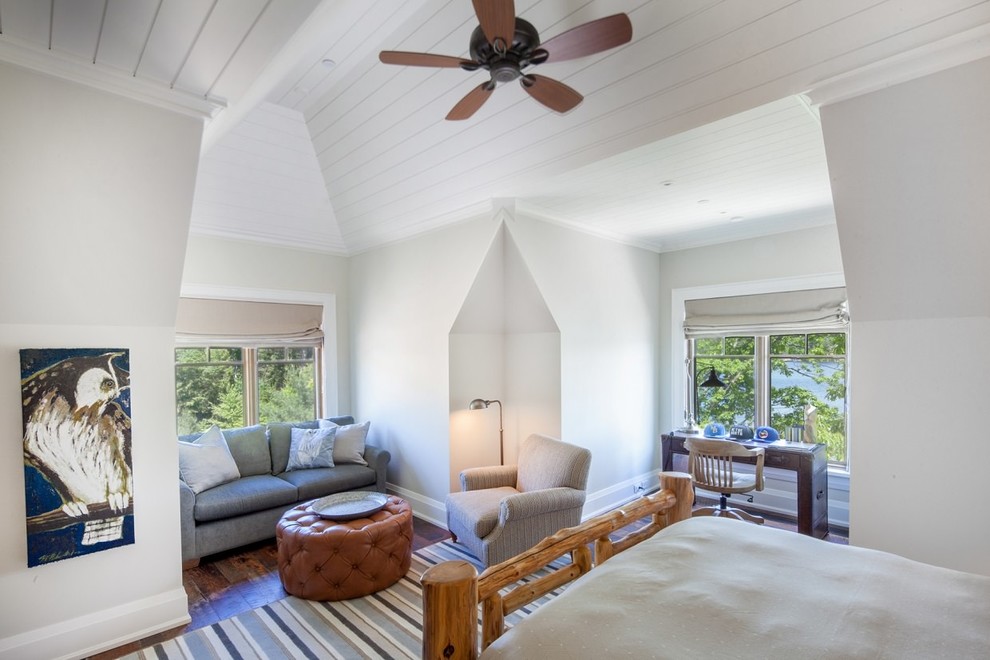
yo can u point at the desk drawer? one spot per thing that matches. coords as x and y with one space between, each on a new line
782 459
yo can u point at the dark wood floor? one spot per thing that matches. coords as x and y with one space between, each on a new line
227 584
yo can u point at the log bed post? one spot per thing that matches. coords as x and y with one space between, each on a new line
450 603
683 488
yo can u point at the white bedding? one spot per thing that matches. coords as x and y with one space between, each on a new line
720 588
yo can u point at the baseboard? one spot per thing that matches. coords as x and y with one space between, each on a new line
618 494
100 631
423 507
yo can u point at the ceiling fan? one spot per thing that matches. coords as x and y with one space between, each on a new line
505 45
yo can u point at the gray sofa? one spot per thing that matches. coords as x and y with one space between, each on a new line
246 510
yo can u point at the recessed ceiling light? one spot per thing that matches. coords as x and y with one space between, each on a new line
702 201
328 63
666 183
736 218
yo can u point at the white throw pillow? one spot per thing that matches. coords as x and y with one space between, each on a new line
206 462
311 448
349 445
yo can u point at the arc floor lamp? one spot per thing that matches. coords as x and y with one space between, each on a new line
481 404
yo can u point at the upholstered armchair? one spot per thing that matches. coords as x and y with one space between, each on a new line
503 510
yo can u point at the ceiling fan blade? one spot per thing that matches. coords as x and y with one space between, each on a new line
552 93
589 38
468 105
424 59
497 19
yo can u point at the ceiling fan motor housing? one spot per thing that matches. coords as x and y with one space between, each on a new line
505 61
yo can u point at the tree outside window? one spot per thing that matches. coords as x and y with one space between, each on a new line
784 381
233 387
808 388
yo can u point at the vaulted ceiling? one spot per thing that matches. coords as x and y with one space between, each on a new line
702 129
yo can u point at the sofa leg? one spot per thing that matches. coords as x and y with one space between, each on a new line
453 537
190 563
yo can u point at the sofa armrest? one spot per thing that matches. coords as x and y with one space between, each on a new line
187 521
377 460
495 476
539 502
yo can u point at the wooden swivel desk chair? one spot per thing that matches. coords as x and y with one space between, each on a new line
711 466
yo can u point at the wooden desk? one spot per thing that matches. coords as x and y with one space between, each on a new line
808 461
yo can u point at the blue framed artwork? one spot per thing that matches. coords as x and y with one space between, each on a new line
76 405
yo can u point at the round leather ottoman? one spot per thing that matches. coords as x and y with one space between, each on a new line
321 559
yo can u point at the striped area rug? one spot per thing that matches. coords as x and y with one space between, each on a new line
387 624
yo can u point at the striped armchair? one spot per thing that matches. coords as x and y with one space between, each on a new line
506 509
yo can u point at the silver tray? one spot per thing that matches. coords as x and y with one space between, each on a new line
348 506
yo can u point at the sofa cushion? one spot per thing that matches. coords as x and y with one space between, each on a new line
206 461
249 447
348 446
280 437
311 448
246 495
319 482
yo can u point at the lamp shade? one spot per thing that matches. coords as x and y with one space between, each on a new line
478 404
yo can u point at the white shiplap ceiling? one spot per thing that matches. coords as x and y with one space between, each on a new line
693 133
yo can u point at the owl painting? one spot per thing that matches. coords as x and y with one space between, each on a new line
77 451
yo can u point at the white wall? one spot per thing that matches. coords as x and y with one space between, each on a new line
404 300
504 345
910 166
216 267
601 295
95 198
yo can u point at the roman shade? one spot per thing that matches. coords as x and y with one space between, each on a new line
812 310
207 322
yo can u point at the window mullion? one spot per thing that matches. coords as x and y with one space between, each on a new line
761 380
251 385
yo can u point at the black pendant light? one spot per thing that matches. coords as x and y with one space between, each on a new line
712 380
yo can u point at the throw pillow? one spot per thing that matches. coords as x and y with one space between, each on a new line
349 445
311 448
206 462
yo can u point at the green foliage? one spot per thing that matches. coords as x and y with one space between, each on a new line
207 394
816 359
210 388
736 402
286 392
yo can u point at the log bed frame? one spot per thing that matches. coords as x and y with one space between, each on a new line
452 590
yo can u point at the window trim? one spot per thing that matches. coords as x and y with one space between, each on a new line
678 344
330 393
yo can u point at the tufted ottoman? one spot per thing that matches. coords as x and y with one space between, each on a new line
322 559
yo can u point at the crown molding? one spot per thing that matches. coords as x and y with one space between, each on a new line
104 79
937 56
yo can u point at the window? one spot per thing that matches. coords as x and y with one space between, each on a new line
734 360
240 362
794 381
238 386
808 388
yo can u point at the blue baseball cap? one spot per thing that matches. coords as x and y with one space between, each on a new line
715 430
767 434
